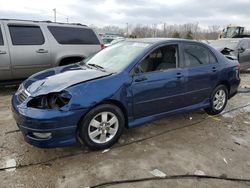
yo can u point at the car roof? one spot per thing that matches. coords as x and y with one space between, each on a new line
158 40
46 22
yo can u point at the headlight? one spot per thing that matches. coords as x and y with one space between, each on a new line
50 101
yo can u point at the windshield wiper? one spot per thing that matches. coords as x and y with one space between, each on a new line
96 66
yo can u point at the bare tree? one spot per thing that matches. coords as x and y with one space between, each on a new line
188 30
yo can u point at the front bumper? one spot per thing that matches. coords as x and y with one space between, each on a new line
61 124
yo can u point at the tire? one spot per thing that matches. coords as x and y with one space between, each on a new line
218 100
102 127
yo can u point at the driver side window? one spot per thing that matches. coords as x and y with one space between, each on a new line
163 58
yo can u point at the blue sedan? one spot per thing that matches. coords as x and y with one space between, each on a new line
123 86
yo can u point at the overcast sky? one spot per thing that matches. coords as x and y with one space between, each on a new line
120 12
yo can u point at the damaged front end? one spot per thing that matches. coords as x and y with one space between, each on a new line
228 47
229 53
50 101
46 109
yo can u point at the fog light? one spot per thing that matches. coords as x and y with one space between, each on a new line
42 135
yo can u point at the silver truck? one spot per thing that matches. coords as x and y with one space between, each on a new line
27 47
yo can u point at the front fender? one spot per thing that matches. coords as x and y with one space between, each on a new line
89 94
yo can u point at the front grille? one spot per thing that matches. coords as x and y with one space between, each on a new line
22 96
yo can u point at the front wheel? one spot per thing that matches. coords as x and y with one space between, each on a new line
102 126
218 100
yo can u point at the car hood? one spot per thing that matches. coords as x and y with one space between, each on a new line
59 78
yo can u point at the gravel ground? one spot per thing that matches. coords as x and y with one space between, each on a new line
182 144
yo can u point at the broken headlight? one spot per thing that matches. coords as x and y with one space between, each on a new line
50 101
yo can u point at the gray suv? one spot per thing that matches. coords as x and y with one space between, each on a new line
27 47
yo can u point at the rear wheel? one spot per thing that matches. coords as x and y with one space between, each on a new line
218 100
102 126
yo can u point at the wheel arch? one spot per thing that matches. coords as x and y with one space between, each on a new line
119 105
112 102
225 83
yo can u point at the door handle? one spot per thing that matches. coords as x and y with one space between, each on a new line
3 52
214 69
141 79
41 51
179 75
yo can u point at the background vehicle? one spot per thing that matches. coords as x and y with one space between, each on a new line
236 48
107 38
27 47
125 85
234 32
116 40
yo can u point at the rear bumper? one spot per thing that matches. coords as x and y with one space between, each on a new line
61 125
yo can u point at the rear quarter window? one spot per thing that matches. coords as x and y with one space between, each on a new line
26 35
1 37
196 55
73 35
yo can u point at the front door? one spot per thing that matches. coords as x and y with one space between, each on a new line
29 49
159 86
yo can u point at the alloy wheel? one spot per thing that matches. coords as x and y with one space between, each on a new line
103 127
219 99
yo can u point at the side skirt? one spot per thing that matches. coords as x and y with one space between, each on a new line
139 121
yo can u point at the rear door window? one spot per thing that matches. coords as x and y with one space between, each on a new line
1 38
26 35
196 55
73 35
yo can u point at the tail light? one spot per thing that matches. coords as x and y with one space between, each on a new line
103 46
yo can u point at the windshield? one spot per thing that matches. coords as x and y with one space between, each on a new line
220 44
117 57
231 32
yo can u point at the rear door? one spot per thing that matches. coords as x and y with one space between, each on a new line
73 41
29 49
5 67
202 72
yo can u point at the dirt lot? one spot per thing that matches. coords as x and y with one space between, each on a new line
182 144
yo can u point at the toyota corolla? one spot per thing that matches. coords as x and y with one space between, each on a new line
123 86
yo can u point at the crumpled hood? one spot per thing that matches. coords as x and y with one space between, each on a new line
59 78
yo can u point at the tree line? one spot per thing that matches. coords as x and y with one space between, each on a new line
187 31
